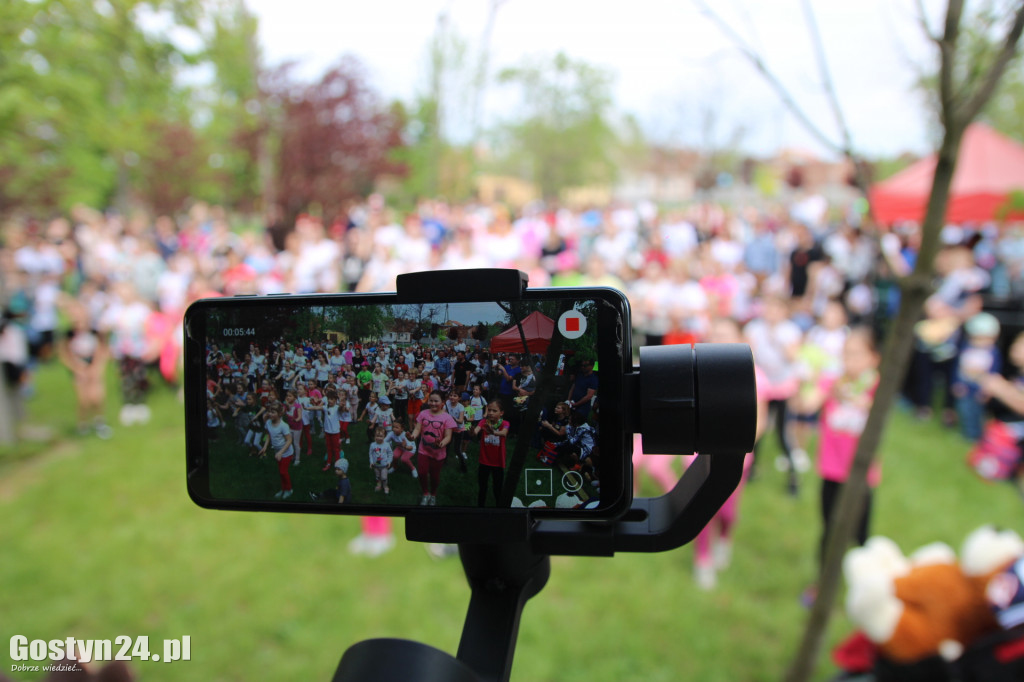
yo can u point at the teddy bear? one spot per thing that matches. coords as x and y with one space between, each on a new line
930 603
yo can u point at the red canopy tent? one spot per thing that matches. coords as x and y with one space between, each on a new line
990 167
537 327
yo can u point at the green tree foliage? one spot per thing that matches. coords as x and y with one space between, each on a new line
235 131
435 155
362 322
564 137
88 94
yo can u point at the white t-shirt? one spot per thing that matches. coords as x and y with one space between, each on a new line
307 416
380 454
403 441
279 433
332 419
457 411
769 344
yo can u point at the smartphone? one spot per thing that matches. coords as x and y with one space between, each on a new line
364 404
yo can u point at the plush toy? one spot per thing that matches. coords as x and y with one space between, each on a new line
914 607
929 604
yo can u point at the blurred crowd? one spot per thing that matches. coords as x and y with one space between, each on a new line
96 286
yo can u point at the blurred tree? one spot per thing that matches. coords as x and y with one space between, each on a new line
334 137
564 138
362 322
438 160
973 53
82 85
235 112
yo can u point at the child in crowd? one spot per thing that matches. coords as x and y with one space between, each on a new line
845 402
402 447
345 410
434 428
1008 395
385 414
293 416
332 428
305 402
578 449
458 413
414 388
342 492
477 403
380 459
85 352
251 415
280 438
492 430
775 341
977 359
552 430
379 380
213 420
316 400
819 357
369 413
398 395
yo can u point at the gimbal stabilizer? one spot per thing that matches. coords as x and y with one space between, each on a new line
681 399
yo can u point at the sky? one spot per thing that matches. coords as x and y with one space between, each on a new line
674 69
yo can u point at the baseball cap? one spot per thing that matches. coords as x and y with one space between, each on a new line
384 400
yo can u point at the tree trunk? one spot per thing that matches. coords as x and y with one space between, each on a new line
541 397
898 346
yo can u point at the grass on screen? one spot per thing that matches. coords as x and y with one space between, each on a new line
236 474
99 539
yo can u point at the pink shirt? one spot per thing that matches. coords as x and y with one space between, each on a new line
432 430
842 421
293 415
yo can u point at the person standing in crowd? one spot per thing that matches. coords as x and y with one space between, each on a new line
84 352
492 431
845 402
775 342
280 440
434 428
583 389
126 321
507 372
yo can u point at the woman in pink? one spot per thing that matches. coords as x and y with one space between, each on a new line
434 428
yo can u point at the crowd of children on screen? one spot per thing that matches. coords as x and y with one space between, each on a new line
419 406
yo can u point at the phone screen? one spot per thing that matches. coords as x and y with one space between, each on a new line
365 404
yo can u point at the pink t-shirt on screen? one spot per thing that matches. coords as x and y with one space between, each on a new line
432 428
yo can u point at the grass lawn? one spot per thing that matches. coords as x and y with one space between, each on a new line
99 539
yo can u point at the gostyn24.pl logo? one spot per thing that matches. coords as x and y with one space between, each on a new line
123 648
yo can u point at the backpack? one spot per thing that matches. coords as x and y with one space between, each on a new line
997 456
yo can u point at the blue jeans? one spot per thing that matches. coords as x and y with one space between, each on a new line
972 417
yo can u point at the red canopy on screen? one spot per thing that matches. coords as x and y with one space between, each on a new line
990 167
537 327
